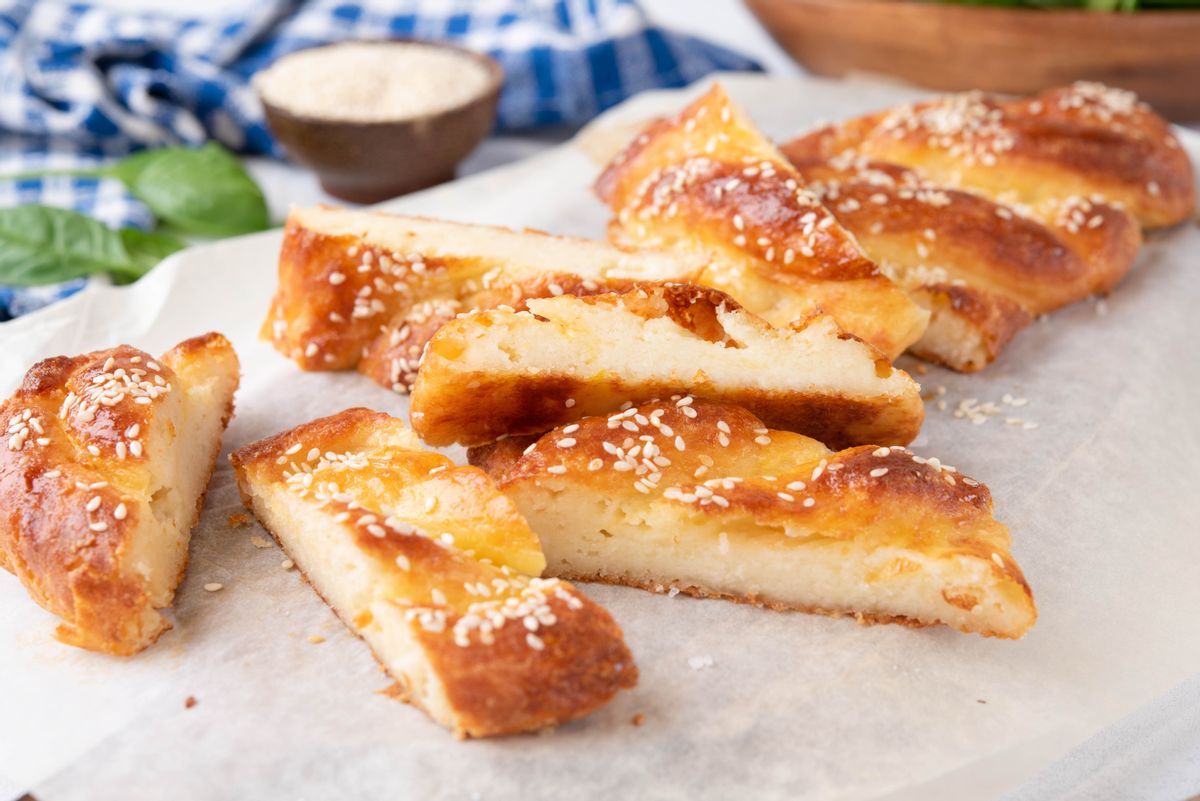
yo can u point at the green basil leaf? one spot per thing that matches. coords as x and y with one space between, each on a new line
146 249
44 245
197 190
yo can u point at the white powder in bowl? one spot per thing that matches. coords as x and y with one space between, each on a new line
372 81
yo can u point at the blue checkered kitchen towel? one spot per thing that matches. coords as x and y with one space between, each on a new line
80 84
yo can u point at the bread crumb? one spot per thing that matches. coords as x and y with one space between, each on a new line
238 520
921 369
190 702
260 542
316 639
638 719
213 586
287 564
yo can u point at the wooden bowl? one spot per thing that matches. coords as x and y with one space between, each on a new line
1013 50
366 162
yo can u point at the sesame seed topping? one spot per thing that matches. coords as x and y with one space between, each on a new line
557 469
879 472
213 586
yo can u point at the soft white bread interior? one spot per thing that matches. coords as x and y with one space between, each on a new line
437 572
108 458
705 498
496 373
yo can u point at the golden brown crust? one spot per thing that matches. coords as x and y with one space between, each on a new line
923 233
718 461
452 403
71 474
498 685
707 181
1080 140
338 288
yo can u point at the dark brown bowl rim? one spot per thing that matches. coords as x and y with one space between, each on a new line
495 73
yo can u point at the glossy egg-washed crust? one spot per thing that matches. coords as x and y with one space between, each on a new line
1082 140
497 688
394 358
902 220
342 296
70 558
917 504
451 405
706 180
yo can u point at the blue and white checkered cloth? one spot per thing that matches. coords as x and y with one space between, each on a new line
81 84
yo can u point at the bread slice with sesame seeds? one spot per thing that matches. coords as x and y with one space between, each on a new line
102 479
500 373
705 499
708 182
982 268
437 572
1084 141
345 276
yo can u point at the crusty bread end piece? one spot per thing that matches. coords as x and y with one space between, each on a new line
102 477
437 572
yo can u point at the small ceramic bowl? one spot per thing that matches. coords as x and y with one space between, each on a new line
366 162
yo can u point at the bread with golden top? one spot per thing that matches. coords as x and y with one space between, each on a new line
103 472
706 499
982 268
1085 140
437 572
500 373
345 276
708 182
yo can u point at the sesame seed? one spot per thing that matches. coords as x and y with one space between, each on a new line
534 641
402 562
763 440
287 564
879 472
135 448
93 450
571 429
783 496
998 559
93 504
723 438
213 586
595 464
120 512
809 502
99 525
569 402
557 469
566 442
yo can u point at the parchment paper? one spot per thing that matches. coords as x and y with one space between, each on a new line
793 706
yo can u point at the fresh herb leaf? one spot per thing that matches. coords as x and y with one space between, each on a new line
200 190
197 190
147 248
44 245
